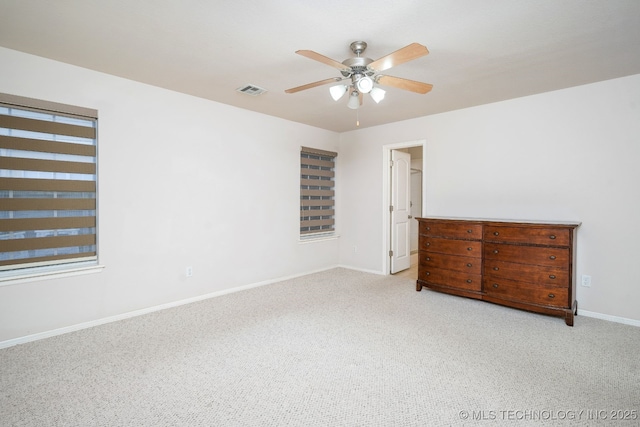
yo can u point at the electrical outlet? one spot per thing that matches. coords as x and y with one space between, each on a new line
586 281
188 271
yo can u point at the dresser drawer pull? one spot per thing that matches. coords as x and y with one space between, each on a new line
427 244
495 233
496 268
428 228
495 285
427 273
469 264
552 276
495 251
428 258
552 257
469 249
469 231
552 296
469 280
552 237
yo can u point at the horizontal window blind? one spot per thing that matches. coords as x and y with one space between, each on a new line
48 175
317 191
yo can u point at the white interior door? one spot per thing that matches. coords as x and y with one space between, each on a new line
400 211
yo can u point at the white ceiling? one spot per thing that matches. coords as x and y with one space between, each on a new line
481 51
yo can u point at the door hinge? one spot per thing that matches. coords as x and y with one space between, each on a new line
390 208
390 253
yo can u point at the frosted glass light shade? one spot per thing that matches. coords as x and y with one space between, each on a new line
377 94
337 91
365 85
354 102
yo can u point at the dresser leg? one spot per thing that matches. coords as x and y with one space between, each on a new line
568 317
418 286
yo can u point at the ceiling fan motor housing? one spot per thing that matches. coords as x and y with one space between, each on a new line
357 66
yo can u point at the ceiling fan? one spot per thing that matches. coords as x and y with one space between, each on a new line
364 75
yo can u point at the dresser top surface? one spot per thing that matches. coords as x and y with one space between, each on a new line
573 224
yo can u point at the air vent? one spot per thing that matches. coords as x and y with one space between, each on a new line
251 90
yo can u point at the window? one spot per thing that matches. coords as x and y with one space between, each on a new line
317 191
47 185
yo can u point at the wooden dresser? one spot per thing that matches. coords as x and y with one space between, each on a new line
522 264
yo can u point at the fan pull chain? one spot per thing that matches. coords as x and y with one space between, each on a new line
357 117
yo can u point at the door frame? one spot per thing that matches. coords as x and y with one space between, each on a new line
386 194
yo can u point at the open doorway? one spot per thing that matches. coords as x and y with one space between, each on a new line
392 232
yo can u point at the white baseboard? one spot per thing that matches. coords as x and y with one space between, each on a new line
608 317
364 270
104 320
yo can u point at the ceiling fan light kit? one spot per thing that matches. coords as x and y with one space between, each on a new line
364 74
354 102
338 92
364 84
377 94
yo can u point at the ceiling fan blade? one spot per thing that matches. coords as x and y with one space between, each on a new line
405 84
321 58
400 56
314 84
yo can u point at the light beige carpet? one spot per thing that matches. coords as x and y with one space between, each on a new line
337 348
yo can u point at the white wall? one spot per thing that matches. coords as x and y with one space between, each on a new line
182 182
175 190
566 155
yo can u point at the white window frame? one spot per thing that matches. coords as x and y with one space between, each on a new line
317 194
21 117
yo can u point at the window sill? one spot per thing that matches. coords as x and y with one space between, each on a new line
33 276
320 238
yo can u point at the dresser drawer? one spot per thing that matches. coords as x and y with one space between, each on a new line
453 247
527 235
451 279
534 274
451 230
527 293
469 265
521 264
553 257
